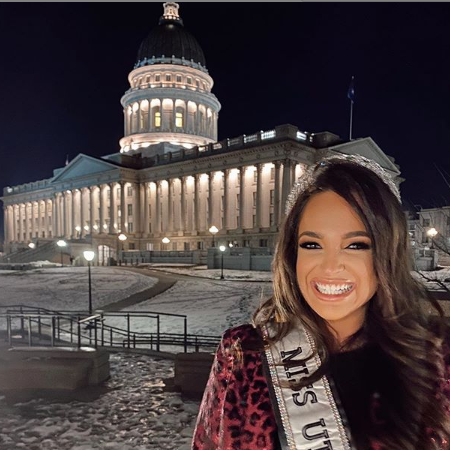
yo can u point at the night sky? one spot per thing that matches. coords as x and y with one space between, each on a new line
64 68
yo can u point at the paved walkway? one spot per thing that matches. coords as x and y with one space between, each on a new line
165 281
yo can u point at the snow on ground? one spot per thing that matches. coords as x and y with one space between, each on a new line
134 413
66 288
211 306
214 274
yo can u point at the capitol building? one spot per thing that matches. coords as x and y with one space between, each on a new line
170 176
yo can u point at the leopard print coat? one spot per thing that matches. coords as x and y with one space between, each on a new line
236 413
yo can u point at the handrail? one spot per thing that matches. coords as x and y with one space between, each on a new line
71 323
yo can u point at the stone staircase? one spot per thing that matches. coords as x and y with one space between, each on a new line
44 251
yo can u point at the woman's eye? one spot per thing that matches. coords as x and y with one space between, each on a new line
309 245
359 246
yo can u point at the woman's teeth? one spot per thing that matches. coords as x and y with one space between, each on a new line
333 289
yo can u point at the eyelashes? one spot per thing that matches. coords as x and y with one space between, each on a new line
353 246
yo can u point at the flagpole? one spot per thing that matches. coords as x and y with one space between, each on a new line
351 118
351 97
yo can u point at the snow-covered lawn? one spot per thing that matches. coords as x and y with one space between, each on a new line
211 306
66 288
213 274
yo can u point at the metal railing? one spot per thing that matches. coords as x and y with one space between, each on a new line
31 326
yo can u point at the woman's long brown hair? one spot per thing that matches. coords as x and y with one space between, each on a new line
413 343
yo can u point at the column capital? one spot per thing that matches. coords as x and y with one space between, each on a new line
277 163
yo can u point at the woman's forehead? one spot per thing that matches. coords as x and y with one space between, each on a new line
331 213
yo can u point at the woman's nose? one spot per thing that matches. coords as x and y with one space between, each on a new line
332 263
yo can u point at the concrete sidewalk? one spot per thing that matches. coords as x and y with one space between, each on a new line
165 282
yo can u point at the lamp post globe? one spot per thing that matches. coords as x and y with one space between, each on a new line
32 245
432 232
213 230
165 240
222 249
61 244
89 255
122 238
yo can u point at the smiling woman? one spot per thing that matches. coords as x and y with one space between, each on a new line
341 356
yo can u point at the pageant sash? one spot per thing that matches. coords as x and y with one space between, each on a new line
310 418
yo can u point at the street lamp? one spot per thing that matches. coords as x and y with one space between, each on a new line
222 249
165 240
61 244
32 245
432 232
213 230
89 256
122 238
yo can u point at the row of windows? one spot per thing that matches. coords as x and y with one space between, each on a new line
143 82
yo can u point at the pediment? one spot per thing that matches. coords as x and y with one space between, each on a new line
83 166
368 148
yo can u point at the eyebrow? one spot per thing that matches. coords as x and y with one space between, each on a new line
345 236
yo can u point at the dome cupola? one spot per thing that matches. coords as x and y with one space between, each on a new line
170 40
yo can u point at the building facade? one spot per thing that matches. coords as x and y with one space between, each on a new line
172 178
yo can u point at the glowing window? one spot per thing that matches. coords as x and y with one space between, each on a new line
189 80
179 120
157 119
168 77
178 78
197 83
157 78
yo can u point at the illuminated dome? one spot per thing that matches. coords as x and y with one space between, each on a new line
169 101
170 40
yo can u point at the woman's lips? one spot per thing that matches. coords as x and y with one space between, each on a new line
330 297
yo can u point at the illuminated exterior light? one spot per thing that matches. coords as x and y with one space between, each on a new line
89 255
78 228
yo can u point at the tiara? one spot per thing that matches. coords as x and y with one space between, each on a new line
311 173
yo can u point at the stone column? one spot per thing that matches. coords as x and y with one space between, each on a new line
183 204
286 185
6 223
101 212
259 168
14 219
27 225
137 208
170 204
197 202
92 206
226 200
211 200
112 209
39 213
46 224
54 216
19 213
145 229
174 116
33 220
158 207
276 194
63 216
293 180
73 232
82 220
122 207
241 196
